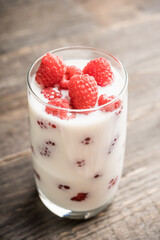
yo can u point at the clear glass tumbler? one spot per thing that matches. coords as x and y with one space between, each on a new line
78 161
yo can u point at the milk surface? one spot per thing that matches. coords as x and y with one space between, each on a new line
84 154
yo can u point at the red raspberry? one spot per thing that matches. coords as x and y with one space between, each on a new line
103 99
71 70
100 69
83 91
61 103
51 93
64 83
80 197
50 71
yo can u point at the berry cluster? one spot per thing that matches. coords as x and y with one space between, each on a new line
82 85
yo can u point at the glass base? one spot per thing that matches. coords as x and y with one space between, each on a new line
62 212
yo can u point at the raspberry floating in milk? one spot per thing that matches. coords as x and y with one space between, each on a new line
50 71
51 93
70 71
101 70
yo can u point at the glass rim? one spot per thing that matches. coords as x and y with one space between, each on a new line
78 110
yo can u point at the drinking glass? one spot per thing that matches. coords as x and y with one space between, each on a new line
78 161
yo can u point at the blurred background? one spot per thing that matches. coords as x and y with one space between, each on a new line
129 30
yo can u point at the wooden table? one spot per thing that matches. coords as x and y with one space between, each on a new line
129 30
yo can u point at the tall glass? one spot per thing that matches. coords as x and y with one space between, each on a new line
78 161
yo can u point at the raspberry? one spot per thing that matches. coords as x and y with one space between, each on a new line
64 83
112 182
103 99
100 69
51 93
83 91
80 197
61 103
50 71
71 70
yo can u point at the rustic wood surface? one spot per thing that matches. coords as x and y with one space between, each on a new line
129 30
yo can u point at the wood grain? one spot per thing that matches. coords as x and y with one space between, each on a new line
126 29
